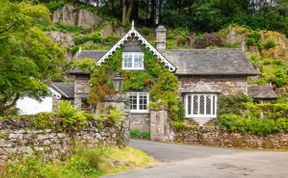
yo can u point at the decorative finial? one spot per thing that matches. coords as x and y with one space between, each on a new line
132 24
80 50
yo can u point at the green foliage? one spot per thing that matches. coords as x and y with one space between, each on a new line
28 58
255 39
70 118
2 135
270 43
83 162
179 125
135 133
146 31
115 115
162 84
54 5
181 39
236 123
67 28
232 103
43 121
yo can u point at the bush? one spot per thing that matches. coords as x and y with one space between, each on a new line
232 103
43 121
70 118
179 125
208 39
146 31
270 44
136 133
236 123
115 115
181 39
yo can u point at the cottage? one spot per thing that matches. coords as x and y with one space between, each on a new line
204 74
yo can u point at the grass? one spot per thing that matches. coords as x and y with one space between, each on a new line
84 163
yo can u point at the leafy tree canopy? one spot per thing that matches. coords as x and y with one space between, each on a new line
28 58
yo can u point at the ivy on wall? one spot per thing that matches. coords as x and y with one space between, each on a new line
161 84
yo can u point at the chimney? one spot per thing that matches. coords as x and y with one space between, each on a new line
161 38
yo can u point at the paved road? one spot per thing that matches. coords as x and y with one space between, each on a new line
185 161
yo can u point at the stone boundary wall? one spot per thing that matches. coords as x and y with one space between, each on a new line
17 138
212 136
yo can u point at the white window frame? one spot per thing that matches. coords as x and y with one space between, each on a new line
138 110
213 113
133 54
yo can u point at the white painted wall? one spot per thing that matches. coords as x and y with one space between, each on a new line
31 106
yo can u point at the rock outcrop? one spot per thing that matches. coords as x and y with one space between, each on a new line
69 15
62 38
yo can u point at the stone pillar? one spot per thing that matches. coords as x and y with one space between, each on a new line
120 101
161 38
159 125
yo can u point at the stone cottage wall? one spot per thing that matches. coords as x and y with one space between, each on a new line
140 121
226 85
18 138
212 136
81 90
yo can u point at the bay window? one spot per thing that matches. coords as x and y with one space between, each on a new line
201 105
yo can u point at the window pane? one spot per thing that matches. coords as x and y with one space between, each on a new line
195 105
128 60
202 104
143 101
133 101
189 104
208 105
138 60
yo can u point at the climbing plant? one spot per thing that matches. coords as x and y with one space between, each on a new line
156 79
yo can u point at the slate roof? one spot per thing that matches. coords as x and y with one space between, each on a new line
94 54
210 62
193 61
261 92
64 88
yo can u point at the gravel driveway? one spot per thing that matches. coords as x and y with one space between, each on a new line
185 161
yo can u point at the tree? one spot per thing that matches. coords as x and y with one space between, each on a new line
28 58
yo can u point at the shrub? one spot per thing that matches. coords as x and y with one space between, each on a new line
181 39
115 115
236 123
43 121
146 31
70 118
136 133
201 42
208 39
179 125
232 103
270 44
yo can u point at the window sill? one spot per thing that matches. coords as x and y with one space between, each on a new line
139 111
132 68
201 116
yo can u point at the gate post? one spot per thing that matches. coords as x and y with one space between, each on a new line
120 101
159 125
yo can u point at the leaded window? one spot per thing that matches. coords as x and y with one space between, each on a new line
201 105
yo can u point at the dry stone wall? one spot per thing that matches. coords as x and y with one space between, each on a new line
212 136
18 138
